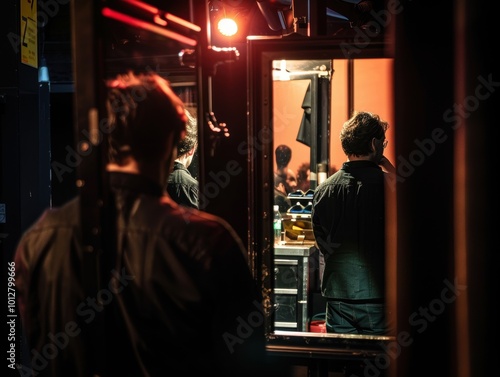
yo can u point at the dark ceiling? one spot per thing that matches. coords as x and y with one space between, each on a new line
55 44
55 36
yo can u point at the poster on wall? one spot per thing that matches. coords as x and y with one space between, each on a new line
29 41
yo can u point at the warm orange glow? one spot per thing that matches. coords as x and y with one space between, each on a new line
372 92
227 27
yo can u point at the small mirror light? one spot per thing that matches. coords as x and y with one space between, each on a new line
227 27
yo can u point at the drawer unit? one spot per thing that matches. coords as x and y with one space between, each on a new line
291 275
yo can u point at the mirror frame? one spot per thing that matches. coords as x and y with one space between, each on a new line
261 52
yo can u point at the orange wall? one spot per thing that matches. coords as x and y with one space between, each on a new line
372 92
287 115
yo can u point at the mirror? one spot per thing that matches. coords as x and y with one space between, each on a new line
300 95
310 104
110 37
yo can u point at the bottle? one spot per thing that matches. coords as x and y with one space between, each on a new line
277 224
322 173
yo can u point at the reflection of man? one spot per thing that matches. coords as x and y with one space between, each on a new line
280 197
283 154
181 185
349 227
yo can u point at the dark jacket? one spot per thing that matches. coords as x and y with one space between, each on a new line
282 201
348 218
179 298
182 187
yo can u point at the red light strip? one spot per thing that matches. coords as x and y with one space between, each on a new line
154 11
182 22
160 21
110 13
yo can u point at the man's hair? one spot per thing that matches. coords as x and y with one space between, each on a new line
278 179
357 133
283 155
143 114
302 171
191 139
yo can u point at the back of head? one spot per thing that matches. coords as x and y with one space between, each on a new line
283 154
143 115
279 179
303 171
357 133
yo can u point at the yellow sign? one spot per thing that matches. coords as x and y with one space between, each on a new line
29 41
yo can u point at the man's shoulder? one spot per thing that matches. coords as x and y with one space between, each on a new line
167 212
180 175
66 215
198 228
52 227
191 218
331 180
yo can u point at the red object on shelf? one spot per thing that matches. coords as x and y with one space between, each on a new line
317 326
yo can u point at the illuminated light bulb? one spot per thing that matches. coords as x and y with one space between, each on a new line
227 27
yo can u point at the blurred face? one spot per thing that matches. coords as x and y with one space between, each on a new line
291 182
378 147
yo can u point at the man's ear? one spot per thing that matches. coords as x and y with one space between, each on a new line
191 152
374 147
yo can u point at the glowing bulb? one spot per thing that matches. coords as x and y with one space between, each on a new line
227 27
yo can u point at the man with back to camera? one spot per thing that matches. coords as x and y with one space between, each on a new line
181 185
348 218
177 297
283 156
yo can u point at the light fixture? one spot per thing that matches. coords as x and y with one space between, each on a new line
227 19
227 26
281 73
43 71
